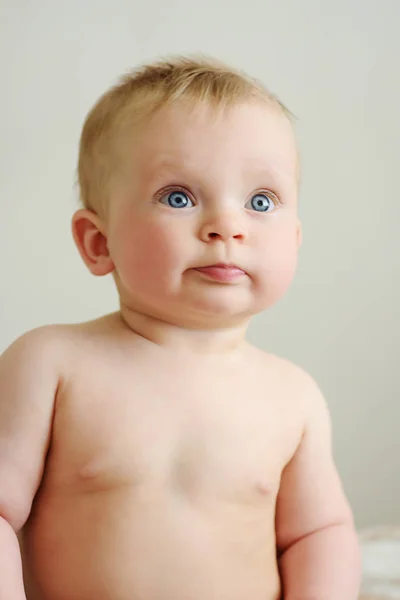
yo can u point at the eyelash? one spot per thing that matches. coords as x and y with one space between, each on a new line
176 188
169 190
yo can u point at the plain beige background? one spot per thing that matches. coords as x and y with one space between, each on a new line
335 63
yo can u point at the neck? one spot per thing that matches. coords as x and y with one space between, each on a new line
223 341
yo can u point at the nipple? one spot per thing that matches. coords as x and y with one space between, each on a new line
92 469
263 487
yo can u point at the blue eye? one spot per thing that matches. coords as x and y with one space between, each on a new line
262 203
177 199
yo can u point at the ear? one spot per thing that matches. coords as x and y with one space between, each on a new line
299 233
90 238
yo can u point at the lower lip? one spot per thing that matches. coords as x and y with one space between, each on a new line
224 274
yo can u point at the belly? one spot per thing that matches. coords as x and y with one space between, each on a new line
119 544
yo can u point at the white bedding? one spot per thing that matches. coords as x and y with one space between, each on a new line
381 563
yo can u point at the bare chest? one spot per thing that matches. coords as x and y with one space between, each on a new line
215 440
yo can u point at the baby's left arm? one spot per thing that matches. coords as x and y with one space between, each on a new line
318 549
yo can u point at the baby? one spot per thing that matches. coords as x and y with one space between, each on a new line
154 454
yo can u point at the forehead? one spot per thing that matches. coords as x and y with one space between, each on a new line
249 137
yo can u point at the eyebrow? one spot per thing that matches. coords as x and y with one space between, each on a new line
170 167
277 172
166 166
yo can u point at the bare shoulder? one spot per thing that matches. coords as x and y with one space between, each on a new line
55 346
297 392
288 373
42 344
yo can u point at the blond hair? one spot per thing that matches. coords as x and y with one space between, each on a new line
141 93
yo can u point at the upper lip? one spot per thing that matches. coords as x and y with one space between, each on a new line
221 266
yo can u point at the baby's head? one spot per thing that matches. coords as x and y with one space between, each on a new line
187 164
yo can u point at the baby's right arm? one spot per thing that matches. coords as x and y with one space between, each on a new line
29 379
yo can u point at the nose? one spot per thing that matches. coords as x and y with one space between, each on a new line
223 227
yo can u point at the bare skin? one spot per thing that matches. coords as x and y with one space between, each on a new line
156 487
154 454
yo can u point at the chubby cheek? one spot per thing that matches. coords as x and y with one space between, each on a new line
147 257
277 265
